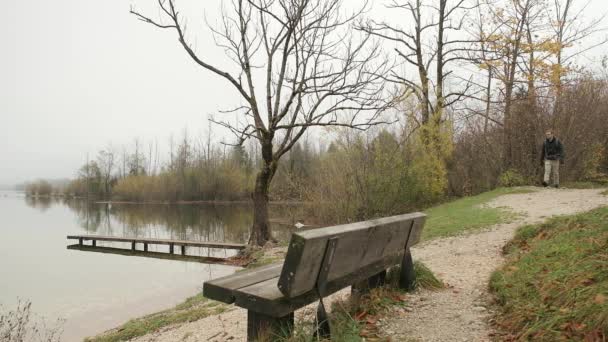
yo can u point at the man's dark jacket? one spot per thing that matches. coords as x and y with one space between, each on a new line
552 150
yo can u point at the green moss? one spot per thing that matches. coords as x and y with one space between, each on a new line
467 214
555 284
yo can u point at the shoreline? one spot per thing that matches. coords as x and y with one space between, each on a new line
161 202
214 202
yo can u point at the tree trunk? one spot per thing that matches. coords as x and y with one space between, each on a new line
260 231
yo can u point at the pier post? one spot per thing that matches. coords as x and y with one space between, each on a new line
80 241
171 248
133 245
145 246
183 249
94 243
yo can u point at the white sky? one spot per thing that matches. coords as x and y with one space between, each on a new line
76 75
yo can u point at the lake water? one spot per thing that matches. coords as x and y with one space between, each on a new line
96 291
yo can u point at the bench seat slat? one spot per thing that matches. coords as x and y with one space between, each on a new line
222 289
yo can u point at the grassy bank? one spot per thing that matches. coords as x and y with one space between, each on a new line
555 283
193 309
467 214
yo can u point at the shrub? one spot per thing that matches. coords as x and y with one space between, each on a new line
511 178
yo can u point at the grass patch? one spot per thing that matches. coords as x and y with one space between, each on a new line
555 283
194 308
466 214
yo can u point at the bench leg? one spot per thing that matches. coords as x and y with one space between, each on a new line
407 278
323 330
261 327
94 243
145 246
171 248
80 241
183 250
133 245
372 282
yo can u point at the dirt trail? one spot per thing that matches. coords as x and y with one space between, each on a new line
464 262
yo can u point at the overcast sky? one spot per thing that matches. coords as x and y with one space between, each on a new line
76 75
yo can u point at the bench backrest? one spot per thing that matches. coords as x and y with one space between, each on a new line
362 250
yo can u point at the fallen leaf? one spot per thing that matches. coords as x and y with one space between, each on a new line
600 299
513 268
588 282
360 315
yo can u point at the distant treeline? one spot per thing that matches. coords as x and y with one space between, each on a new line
365 174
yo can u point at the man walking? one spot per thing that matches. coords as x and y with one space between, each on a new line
551 156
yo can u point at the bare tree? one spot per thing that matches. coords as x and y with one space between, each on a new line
413 48
569 28
312 70
106 162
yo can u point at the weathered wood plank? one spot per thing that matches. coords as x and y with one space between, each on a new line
416 232
209 244
359 244
222 289
265 297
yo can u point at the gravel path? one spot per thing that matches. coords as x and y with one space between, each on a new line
465 262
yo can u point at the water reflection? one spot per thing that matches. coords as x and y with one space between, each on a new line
218 223
40 203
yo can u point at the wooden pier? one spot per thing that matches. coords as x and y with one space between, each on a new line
154 255
171 243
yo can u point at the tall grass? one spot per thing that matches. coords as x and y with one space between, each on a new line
21 324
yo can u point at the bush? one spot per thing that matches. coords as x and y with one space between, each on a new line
511 178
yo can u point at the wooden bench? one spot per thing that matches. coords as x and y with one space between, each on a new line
318 263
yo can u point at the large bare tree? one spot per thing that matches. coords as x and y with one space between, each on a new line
312 71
